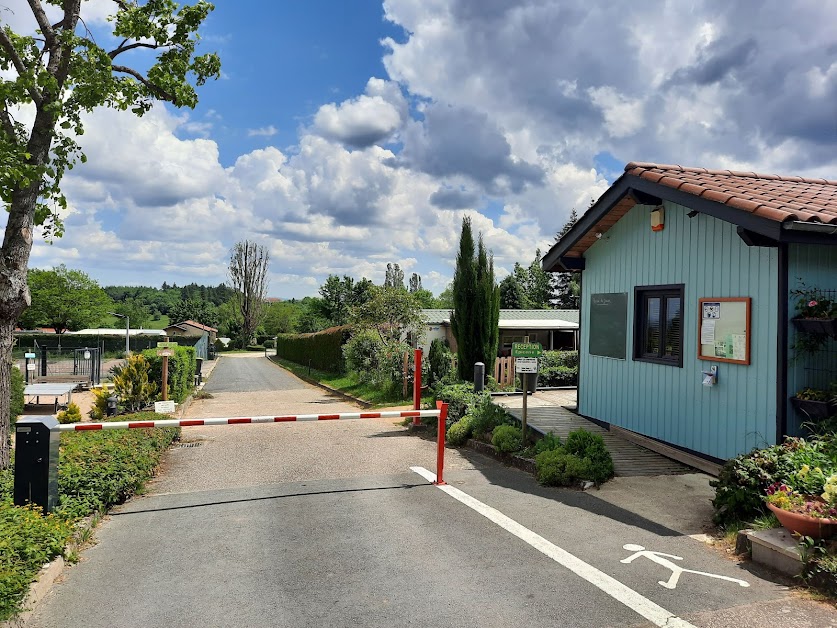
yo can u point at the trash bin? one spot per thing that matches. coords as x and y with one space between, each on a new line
531 382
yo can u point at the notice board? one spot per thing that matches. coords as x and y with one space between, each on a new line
724 329
609 324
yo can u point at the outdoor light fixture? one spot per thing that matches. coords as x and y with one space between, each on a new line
127 331
693 213
658 218
598 235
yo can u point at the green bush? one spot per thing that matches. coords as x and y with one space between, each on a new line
17 401
591 447
71 415
182 369
363 353
547 443
556 467
558 368
459 397
743 481
440 359
486 416
460 431
323 349
100 404
270 343
507 438
132 384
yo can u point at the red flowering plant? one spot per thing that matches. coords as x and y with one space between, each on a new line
813 303
822 506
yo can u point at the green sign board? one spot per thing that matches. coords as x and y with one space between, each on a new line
526 349
166 345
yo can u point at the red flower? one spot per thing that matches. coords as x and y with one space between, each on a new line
812 303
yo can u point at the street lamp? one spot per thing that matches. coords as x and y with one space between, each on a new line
127 331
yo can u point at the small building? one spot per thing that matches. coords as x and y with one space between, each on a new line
686 272
191 328
554 329
116 331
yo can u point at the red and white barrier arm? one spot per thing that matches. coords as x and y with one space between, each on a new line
121 425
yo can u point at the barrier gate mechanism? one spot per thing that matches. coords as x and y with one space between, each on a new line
36 444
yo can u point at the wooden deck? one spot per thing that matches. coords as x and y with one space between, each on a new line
629 459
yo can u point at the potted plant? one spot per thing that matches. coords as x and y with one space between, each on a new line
807 515
815 312
815 403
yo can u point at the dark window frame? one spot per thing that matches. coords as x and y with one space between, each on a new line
641 296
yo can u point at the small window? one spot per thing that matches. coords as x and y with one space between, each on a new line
658 324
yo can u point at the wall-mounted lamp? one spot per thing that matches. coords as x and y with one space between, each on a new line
598 235
693 213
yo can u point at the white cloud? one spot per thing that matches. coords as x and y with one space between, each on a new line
265 131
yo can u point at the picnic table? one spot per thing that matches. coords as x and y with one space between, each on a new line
55 390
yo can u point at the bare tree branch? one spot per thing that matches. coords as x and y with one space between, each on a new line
43 22
9 48
123 48
158 91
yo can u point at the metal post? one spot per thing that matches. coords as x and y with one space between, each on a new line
127 336
417 386
43 361
479 377
36 462
440 441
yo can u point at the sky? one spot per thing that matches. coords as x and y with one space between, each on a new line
347 134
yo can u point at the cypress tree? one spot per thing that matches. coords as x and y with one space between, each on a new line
476 300
464 296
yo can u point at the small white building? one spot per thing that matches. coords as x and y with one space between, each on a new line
554 329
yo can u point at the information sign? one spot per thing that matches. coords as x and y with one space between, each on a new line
526 349
164 407
166 345
165 353
526 365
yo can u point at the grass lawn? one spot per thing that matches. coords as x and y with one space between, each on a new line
349 384
119 323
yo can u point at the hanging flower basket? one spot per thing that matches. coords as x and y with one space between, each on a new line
814 410
827 326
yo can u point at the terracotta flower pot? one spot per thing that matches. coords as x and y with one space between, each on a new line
814 527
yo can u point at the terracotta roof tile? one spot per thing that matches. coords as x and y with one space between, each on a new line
769 196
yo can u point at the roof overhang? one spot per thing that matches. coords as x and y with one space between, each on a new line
536 324
629 190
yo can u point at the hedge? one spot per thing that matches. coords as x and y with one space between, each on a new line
97 470
182 369
558 368
323 350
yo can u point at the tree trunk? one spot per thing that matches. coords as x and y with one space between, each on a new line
14 260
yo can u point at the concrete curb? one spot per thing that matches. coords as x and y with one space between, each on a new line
333 391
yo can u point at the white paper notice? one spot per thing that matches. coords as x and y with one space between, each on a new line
739 346
707 331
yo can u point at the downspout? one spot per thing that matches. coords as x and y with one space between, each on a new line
782 347
580 322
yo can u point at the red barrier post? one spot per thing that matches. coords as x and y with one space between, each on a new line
440 442
417 386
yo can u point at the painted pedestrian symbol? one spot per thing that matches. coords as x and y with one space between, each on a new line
676 570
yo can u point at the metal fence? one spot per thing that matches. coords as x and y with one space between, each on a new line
54 364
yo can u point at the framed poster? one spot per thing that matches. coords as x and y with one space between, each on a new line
608 324
724 329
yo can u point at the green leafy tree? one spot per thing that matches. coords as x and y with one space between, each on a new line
512 294
538 285
415 283
281 317
336 299
445 299
136 312
393 313
59 73
65 300
567 286
131 382
424 298
476 314
394 277
194 310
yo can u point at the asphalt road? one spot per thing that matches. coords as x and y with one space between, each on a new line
357 547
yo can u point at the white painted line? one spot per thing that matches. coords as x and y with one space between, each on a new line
615 589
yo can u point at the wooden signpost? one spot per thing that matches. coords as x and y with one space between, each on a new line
526 363
165 350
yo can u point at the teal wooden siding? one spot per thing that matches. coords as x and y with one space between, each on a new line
815 266
667 402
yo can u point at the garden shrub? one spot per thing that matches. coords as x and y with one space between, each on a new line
460 432
591 447
17 401
100 404
486 416
556 467
547 443
362 354
558 368
270 343
131 382
182 369
459 398
440 358
743 481
507 438
71 415
323 350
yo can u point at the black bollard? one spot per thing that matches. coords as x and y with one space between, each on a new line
36 462
479 377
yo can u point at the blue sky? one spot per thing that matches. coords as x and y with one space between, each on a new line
346 135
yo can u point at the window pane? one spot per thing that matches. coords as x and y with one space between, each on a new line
672 345
652 326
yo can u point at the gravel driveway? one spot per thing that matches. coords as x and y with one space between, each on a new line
250 455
